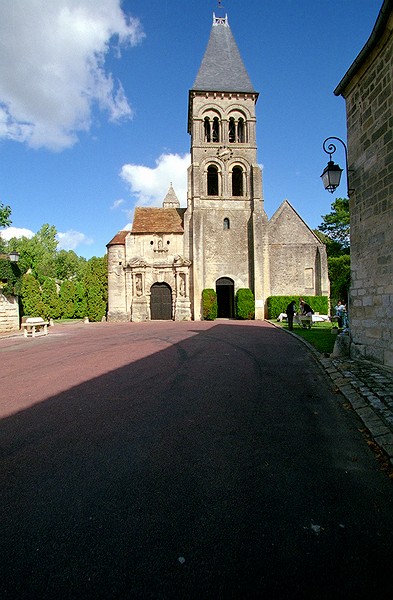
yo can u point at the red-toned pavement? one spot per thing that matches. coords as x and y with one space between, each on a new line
184 460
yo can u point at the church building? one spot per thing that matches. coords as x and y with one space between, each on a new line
223 240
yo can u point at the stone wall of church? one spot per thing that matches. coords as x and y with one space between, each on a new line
220 249
298 261
154 247
296 270
370 144
117 298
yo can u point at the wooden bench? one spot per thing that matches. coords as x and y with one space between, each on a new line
35 326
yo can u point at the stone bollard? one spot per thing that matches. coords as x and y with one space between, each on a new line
341 346
86 320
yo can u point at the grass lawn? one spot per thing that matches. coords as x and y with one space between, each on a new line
319 335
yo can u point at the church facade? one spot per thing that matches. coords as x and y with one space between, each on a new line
223 240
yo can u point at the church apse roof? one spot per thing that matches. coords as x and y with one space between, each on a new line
222 68
119 238
158 220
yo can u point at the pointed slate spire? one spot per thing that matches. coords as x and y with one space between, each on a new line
171 200
222 68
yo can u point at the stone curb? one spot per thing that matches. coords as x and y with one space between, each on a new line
375 416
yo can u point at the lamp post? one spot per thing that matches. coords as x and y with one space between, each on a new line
332 173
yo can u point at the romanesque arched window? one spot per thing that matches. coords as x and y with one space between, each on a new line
226 224
206 125
240 131
216 130
232 130
237 128
237 181
212 181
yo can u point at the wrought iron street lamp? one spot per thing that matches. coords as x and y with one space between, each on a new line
331 175
14 256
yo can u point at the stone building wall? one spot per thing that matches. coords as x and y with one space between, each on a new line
369 102
9 314
298 262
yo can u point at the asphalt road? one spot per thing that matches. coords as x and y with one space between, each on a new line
184 460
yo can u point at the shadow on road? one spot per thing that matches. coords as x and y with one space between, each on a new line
219 466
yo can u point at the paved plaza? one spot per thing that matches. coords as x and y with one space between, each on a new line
187 460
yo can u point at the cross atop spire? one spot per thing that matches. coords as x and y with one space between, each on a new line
220 20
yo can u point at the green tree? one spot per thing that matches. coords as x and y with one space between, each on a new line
96 286
30 296
336 224
339 269
38 254
333 248
80 301
10 278
67 299
50 299
5 215
69 265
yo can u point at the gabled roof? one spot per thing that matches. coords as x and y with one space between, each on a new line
379 35
158 220
286 218
222 68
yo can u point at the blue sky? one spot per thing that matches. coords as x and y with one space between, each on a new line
93 103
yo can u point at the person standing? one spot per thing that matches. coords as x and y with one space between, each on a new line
307 311
340 310
290 310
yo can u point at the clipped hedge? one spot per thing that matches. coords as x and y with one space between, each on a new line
278 304
209 304
245 304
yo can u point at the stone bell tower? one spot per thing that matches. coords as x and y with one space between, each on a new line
225 217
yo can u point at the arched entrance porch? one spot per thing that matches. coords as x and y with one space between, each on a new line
160 302
225 289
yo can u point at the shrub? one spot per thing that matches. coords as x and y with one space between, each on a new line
245 304
209 304
278 304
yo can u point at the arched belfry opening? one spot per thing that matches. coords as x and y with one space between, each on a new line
160 302
212 180
225 290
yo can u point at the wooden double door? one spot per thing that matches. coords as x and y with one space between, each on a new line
161 302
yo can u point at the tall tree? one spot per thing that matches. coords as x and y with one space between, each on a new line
31 296
339 268
96 286
336 223
50 299
5 215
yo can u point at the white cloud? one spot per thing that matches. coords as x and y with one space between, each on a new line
15 232
69 240
117 204
150 185
52 67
